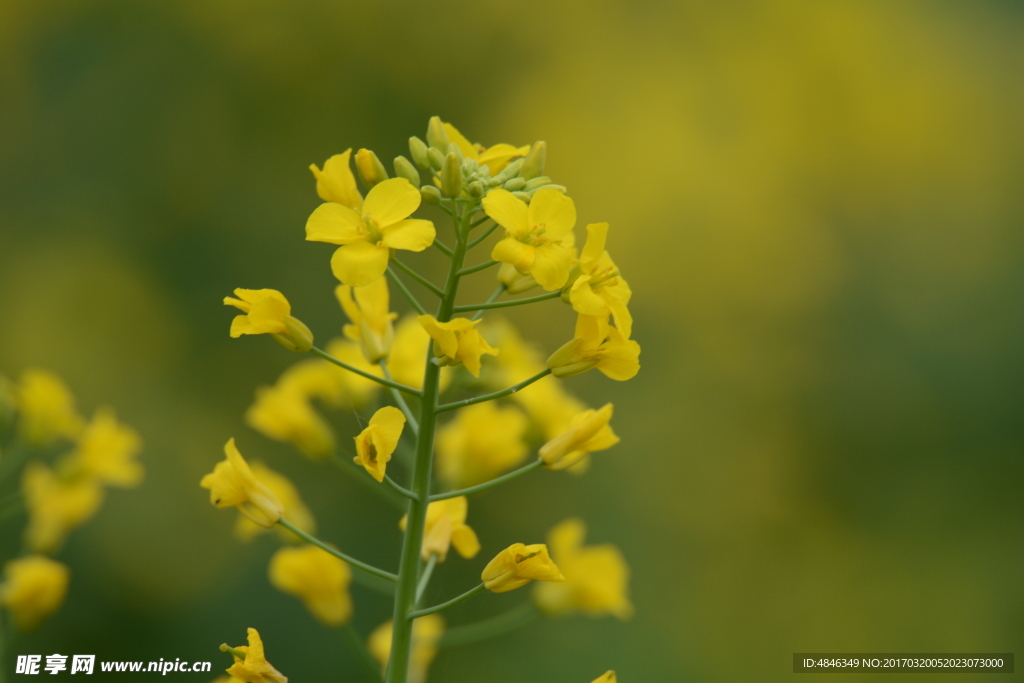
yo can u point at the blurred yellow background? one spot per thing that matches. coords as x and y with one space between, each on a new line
818 206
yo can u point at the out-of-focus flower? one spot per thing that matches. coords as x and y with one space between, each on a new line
106 451
599 290
589 431
446 526
606 677
293 509
537 238
46 408
367 308
518 565
378 441
596 345
458 341
253 666
358 389
482 442
266 311
495 157
596 577
426 634
336 183
317 578
408 357
34 588
286 415
56 506
233 484
367 236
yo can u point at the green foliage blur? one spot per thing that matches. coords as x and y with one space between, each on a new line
818 206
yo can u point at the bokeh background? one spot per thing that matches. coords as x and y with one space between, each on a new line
818 205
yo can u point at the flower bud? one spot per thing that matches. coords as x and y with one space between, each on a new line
533 165
560 188
451 176
470 166
371 171
430 195
418 151
405 169
514 185
436 135
297 338
476 189
456 150
510 171
536 182
523 196
435 158
514 281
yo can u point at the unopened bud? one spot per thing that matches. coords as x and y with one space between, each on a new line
510 171
523 196
418 151
476 189
560 188
451 176
405 169
536 182
515 184
371 171
470 166
436 135
297 337
514 281
456 150
533 165
430 195
435 158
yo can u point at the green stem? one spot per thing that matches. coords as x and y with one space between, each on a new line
477 224
488 484
507 304
498 291
443 247
478 267
369 569
425 579
348 631
489 628
485 235
497 394
409 417
368 375
344 463
418 278
405 291
399 488
451 603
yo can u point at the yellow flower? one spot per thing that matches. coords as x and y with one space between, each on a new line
293 509
378 441
56 507
596 577
482 442
233 484
538 237
46 408
367 236
458 342
495 157
336 183
253 666
106 451
518 565
268 312
446 526
317 578
34 588
597 345
600 290
607 677
426 634
287 415
588 432
409 355
367 308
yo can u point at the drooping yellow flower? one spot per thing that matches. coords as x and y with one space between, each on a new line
287 415
458 341
408 357
589 431
538 237
495 157
55 506
446 526
482 442
317 578
596 577
233 484
378 441
426 634
366 236
597 345
336 183
268 312
106 451
46 408
253 666
518 565
34 588
607 677
367 308
600 290
293 509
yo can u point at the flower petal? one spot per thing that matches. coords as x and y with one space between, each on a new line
552 210
412 234
507 211
336 183
512 251
585 300
334 224
551 264
360 263
597 235
391 201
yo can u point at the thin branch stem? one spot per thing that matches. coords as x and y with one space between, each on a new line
418 278
497 394
369 569
498 291
368 375
490 628
484 235
445 605
477 268
443 247
409 417
488 484
425 579
399 488
476 224
348 631
507 304
344 462
405 291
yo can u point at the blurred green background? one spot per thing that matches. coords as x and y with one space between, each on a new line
817 204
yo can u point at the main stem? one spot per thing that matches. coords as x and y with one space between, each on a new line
408 568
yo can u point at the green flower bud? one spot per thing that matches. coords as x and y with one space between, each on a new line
476 189
371 171
451 176
536 182
560 188
435 158
405 169
510 171
533 165
470 166
436 136
515 184
418 151
456 150
430 195
514 281
297 338
523 196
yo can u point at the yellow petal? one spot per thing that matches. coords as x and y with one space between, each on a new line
465 541
597 235
336 183
620 357
623 318
552 210
391 201
551 264
585 300
507 211
360 263
334 224
389 422
412 234
514 252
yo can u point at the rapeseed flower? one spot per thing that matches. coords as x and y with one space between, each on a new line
336 183
56 506
426 635
458 341
106 452
606 677
293 509
446 526
46 408
317 578
482 442
252 666
367 308
495 157
367 236
588 431
268 312
408 357
34 588
233 484
599 290
597 345
596 577
518 565
378 441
